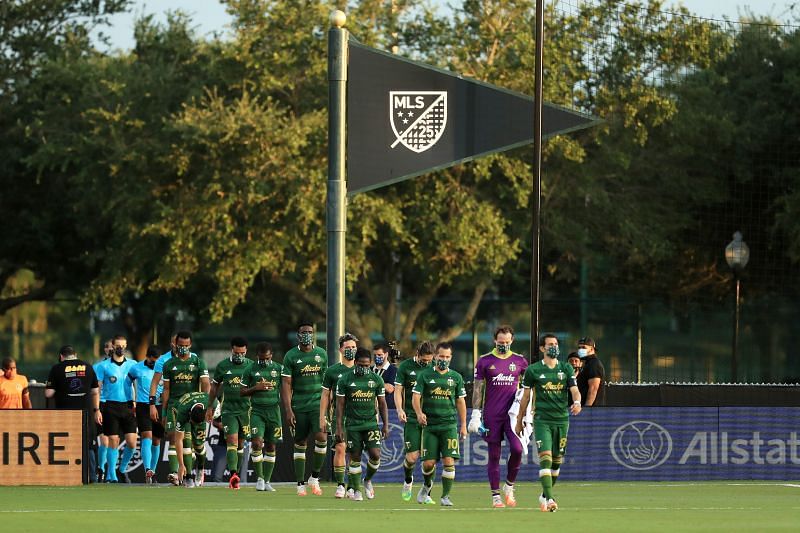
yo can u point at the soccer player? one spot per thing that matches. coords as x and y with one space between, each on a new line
119 415
552 381
102 448
356 395
497 379
348 344
440 408
301 393
183 374
151 432
262 384
407 372
188 412
235 407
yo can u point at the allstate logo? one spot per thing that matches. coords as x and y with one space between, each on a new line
640 445
392 452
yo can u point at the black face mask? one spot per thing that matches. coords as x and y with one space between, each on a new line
119 350
149 364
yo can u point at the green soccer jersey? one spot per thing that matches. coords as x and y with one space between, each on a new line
228 376
439 393
329 381
406 377
360 395
550 390
183 375
306 370
271 373
184 405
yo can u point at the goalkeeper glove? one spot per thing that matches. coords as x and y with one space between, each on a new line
475 423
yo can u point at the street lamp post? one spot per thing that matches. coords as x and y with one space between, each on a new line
737 254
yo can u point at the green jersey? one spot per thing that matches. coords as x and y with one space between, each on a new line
306 370
228 377
183 375
184 405
270 373
360 395
550 390
329 381
407 372
439 393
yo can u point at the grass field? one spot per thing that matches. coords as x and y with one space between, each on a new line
729 506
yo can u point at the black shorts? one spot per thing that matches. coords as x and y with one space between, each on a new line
118 419
146 423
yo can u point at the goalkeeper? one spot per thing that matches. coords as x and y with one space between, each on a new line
497 378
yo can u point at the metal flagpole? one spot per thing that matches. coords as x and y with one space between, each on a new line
337 186
536 196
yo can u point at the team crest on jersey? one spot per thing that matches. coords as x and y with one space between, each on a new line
274 373
450 382
317 358
418 118
371 384
191 367
560 375
512 367
113 379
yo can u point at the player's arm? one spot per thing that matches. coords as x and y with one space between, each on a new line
95 398
179 451
286 397
325 403
164 401
523 408
591 393
205 384
383 409
478 386
154 383
212 395
416 403
575 408
398 402
153 391
26 399
339 418
461 409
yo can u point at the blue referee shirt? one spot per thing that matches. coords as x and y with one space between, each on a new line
115 380
143 375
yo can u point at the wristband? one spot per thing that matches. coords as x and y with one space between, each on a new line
152 400
95 409
576 403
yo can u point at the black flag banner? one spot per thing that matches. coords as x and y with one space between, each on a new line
405 118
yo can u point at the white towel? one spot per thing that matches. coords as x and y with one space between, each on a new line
527 427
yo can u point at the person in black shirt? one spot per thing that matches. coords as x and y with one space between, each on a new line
591 379
385 368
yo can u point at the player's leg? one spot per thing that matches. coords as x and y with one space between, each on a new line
559 449
199 432
127 453
230 423
340 458
111 428
544 444
155 455
102 448
172 434
354 449
373 445
301 431
320 452
429 455
258 425
514 462
449 449
188 456
273 434
412 439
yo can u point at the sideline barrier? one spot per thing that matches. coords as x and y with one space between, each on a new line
41 447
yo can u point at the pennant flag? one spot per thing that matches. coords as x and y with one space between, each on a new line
405 118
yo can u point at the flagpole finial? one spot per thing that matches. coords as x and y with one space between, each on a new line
338 18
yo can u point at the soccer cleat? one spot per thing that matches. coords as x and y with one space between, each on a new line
189 482
173 478
268 487
350 494
124 478
261 485
542 503
340 492
424 492
316 490
508 490
101 475
200 478
234 482
445 501
357 496
301 490
407 491
497 501
552 506
369 490
148 477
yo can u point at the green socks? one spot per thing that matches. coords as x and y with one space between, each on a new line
545 477
448 477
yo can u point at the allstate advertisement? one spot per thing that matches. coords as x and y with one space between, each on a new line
649 444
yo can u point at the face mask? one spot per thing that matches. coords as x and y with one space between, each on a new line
378 360
237 358
441 364
149 364
503 349
422 362
583 352
360 370
262 362
553 352
305 338
183 350
119 350
350 353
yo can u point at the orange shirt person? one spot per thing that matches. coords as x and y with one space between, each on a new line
13 387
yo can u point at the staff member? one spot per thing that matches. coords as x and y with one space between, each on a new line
73 385
13 387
